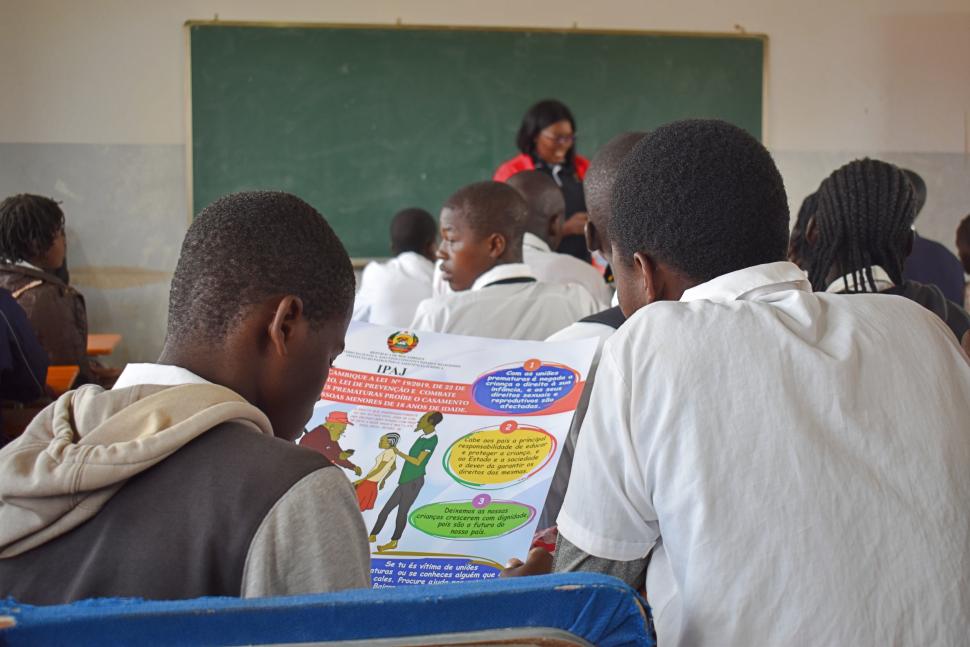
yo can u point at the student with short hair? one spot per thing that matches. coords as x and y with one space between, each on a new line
183 481
542 235
391 291
776 465
601 325
32 250
495 293
861 234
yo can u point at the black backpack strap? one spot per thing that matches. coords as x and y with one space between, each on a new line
613 317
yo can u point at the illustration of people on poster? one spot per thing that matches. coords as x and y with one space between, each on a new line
450 442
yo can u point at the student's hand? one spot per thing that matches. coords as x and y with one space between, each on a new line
349 452
357 470
538 562
575 224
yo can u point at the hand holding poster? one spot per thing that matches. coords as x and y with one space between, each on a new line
451 443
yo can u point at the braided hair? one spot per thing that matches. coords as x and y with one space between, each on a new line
28 226
864 217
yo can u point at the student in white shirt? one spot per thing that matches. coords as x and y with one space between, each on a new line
861 233
495 293
598 187
543 232
391 291
777 466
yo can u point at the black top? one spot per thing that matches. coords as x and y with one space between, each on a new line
613 317
572 193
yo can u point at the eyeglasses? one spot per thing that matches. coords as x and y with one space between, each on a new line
559 139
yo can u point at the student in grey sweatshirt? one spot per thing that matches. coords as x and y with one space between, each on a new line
183 480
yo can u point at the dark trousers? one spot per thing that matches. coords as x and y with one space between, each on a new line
403 498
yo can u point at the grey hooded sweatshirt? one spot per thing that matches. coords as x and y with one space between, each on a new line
167 493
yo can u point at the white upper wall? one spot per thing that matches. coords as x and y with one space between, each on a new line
869 75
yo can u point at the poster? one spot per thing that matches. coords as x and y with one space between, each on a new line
451 443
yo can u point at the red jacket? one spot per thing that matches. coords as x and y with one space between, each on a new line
523 162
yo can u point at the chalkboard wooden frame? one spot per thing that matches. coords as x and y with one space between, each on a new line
360 260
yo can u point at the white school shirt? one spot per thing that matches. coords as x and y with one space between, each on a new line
527 310
553 267
803 457
391 291
159 374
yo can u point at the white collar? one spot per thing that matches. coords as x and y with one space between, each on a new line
750 283
160 374
503 272
879 275
533 241
415 261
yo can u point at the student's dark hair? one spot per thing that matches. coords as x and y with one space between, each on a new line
539 117
247 247
435 417
919 189
963 231
492 208
412 230
543 197
864 218
702 196
601 176
28 225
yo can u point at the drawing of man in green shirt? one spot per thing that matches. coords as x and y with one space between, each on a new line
411 480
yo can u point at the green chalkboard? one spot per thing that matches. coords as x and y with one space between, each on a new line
362 121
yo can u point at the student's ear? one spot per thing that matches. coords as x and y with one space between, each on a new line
811 232
592 236
555 229
652 280
282 327
431 252
496 245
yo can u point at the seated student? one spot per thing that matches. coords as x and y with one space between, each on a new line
32 252
796 240
391 291
861 234
963 247
543 229
930 262
751 452
23 362
183 481
495 293
598 185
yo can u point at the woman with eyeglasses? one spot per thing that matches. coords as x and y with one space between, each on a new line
547 139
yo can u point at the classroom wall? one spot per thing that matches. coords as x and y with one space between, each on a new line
93 108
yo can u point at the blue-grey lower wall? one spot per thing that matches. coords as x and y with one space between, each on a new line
127 212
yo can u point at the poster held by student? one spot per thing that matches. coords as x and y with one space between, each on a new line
459 437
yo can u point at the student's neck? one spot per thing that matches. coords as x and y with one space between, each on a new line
217 365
